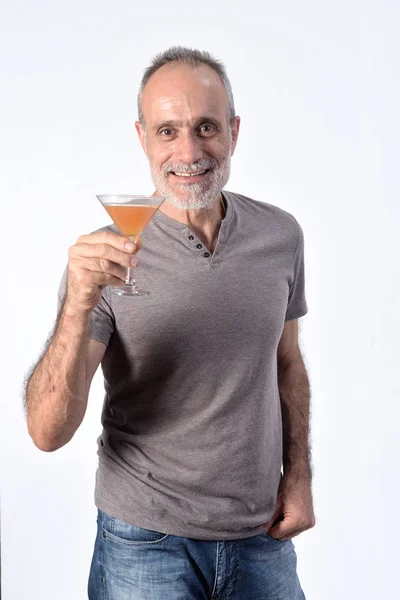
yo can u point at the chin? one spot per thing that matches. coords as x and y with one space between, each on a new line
191 202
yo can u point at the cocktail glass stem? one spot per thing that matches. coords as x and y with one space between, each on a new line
130 280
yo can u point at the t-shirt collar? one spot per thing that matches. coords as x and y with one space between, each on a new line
160 216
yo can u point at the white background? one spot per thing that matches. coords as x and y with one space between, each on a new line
316 85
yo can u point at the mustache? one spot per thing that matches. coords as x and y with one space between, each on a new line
196 167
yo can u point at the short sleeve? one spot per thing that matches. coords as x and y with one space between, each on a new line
102 323
297 305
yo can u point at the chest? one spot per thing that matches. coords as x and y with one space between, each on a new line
199 306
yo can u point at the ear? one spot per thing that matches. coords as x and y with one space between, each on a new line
142 135
235 125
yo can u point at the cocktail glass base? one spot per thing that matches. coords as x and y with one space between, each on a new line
129 290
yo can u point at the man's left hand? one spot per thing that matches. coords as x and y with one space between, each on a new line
294 509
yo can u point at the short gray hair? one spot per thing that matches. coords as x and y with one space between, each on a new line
190 57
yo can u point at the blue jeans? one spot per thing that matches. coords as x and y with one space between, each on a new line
131 563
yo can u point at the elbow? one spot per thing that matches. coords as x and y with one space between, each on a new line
45 443
45 446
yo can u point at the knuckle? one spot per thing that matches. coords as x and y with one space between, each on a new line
104 264
81 276
72 264
78 274
102 250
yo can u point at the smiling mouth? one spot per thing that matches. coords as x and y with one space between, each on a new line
188 175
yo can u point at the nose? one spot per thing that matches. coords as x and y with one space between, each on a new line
189 148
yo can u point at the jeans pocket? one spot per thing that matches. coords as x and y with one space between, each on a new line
130 535
275 539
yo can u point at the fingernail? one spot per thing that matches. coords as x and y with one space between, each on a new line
133 262
130 246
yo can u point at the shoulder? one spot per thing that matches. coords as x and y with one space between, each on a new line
263 213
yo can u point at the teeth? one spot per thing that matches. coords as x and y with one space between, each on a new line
190 174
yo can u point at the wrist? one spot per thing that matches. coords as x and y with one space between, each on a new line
75 311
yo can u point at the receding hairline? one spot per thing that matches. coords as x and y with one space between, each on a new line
175 66
180 64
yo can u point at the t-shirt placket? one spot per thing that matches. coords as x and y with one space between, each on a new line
201 249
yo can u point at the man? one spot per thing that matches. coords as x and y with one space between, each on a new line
207 396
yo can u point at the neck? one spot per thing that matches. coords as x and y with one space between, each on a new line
204 217
204 223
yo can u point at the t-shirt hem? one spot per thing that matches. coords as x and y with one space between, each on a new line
176 530
295 315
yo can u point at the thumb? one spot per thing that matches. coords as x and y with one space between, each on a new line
278 530
275 517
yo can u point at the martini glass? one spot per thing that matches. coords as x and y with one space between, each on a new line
131 215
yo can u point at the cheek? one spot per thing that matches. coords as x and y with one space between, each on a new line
158 155
220 144
220 151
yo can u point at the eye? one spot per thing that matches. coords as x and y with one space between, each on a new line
166 132
207 129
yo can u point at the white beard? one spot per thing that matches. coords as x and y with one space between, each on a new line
193 196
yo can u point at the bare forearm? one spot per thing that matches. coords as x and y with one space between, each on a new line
56 394
294 393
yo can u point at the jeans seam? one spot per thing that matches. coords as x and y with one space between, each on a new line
235 563
216 571
101 563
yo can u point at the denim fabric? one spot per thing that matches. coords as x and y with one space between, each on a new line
131 563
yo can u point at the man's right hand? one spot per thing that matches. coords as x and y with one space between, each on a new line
95 261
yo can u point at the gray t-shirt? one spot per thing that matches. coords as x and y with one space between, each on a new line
192 433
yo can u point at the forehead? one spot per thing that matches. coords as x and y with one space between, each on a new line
185 92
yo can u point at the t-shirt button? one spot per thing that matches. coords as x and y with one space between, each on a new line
206 254
191 237
199 246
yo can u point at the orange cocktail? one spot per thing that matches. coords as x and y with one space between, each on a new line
130 219
130 214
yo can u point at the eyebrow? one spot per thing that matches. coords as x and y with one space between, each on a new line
196 122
